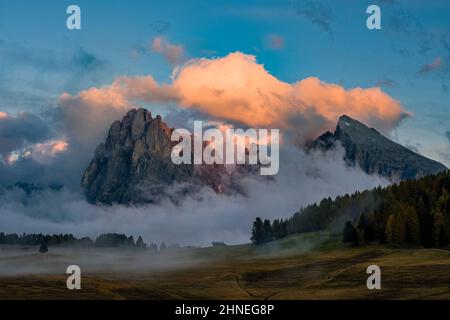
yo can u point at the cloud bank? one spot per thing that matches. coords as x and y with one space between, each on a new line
17 131
43 153
303 179
234 89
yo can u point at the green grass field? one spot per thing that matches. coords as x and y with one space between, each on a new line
308 266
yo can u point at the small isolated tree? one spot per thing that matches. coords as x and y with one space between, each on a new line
43 248
163 246
350 235
257 231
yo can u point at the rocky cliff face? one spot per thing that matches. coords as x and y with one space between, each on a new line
134 166
375 153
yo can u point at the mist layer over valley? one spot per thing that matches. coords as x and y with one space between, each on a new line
197 219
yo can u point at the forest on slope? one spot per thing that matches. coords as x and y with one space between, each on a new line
413 212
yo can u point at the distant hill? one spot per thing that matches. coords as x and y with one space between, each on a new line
375 153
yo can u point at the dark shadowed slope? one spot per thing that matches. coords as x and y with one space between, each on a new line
135 166
375 153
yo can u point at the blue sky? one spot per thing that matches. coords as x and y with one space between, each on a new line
409 57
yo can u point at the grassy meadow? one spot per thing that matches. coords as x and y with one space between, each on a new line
307 266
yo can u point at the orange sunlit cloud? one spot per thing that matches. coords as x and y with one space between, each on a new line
172 53
435 65
236 88
40 152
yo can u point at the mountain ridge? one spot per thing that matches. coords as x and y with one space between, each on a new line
375 153
134 166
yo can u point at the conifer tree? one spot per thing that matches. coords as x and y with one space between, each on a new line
350 234
268 232
257 231
412 230
276 228
140 243
439 231
366 227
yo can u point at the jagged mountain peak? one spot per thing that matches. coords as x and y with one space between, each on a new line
345 118
134 165
375 153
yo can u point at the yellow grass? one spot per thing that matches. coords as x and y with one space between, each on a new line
309 266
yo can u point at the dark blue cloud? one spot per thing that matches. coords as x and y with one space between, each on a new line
387 83
316 12
160 26
33 78
48 59
86 61
16 131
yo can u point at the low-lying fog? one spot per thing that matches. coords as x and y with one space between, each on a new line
196 221
20 261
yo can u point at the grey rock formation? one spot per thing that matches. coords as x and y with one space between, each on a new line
134 166
375 153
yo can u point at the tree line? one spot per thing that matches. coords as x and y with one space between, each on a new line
108 240
413 212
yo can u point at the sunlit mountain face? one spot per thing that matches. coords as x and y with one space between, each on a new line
284 127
